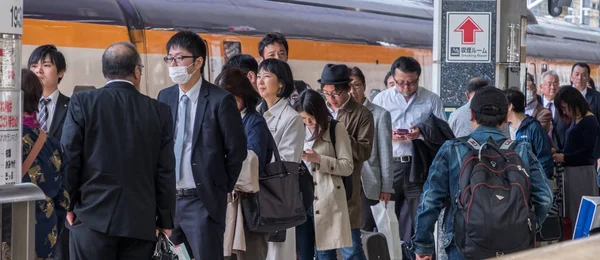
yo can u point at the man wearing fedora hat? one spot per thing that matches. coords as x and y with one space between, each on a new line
335 84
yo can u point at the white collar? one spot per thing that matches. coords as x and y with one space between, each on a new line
193 93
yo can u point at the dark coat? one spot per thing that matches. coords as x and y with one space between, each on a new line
435 132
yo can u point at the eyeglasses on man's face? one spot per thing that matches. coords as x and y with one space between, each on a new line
178 59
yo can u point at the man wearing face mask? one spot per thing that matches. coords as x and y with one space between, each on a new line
534 108
210 146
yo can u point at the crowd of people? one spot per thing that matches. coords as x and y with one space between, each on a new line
119 168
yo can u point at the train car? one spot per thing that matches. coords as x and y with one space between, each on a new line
318 34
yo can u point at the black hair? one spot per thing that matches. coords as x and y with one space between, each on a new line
191 42
283 72
490 121
356 72
339 87
476 84
56 57
407 65
583 65
244 62
235 82
312 103
574 101
272 38
387 76
32 91
120 60
516 98
530 78
592 84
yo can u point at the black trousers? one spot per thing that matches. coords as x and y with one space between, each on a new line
87 244
407 196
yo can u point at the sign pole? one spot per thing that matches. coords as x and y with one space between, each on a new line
11 29
477 38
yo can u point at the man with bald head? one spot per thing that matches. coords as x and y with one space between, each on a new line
121 176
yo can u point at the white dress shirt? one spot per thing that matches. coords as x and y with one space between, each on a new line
406 114
186 181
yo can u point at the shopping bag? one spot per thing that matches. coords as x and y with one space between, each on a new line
387 223
181 252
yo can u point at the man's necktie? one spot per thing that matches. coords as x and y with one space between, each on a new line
43 113
182 119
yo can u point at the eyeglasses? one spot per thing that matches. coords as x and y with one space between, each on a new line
178 59
407 83
333 95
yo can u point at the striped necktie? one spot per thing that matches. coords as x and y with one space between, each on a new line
43 113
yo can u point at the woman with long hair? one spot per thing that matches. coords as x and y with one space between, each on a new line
577 155
328 223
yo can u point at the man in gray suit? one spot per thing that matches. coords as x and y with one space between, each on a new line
377 177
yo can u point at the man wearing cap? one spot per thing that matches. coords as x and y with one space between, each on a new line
489 108
358 120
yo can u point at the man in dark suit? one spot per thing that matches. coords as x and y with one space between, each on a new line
121 174
50 66
210 146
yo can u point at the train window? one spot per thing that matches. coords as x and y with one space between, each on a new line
230 49
544 67
207 69
532 69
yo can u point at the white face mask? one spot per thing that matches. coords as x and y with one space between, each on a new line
179 74
530 96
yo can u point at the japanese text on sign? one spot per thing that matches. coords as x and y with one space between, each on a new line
10 137
468 36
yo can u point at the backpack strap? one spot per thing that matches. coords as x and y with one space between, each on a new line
332 125
37 147
508 145
471 143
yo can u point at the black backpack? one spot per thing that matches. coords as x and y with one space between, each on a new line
494 214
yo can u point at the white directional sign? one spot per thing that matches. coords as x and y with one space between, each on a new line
468 37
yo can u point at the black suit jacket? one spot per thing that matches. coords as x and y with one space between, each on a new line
121 174
218 144
58 119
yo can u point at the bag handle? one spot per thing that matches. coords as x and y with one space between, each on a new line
37 147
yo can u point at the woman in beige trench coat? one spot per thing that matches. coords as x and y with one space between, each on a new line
328 223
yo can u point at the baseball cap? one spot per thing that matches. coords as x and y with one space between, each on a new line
489 101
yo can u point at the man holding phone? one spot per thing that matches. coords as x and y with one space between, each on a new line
408 105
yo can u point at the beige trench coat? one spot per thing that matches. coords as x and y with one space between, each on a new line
332 222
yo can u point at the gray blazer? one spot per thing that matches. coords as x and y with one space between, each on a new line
377 175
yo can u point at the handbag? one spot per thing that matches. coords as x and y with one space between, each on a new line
163 251
551 229
278 205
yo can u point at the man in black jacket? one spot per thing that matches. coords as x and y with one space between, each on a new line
121 173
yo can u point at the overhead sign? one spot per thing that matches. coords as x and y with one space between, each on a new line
10 137
11 16
468 37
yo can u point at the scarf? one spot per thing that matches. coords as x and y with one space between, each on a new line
30 120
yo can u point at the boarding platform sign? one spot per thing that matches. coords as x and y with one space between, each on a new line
10 137
469 37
